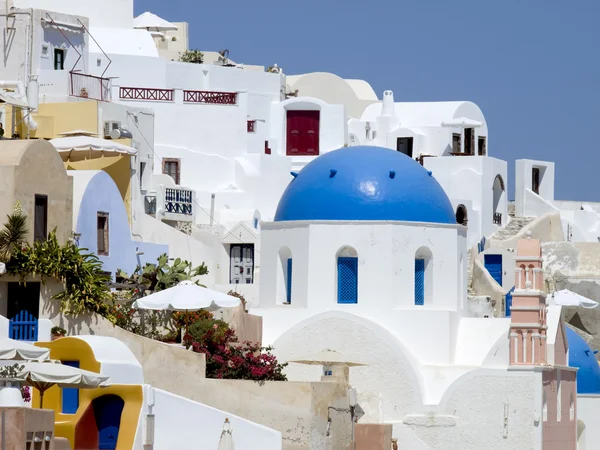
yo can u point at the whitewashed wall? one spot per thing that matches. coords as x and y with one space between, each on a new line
180 421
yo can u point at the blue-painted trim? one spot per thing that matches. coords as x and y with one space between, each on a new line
288 287
508 302
70 396
347 279
23 327
493 264
419 282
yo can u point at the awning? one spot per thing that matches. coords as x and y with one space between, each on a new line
10 98
461 122
64 26
77 143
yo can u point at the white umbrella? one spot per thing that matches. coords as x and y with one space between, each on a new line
326 357
77 144
462 122
43 376
152 22
186 296
13 350
566 297
226 441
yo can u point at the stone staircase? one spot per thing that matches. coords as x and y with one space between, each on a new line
515 225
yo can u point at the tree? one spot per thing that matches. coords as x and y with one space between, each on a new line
14 233
192 56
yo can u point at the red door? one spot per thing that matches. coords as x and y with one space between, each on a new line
303 133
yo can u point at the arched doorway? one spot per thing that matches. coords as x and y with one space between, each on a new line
499 200
461 215
108 410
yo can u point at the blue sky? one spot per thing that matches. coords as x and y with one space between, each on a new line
533 66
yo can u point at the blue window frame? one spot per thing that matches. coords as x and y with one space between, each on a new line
419 282
347 279
70 396
288 287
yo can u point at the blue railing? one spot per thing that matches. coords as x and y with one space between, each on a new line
23 327
178 201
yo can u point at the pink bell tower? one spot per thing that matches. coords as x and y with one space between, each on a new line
528 330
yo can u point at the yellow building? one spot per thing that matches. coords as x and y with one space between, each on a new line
96 418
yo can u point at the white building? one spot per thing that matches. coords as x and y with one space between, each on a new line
365 257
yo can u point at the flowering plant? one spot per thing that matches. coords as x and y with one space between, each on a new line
26 393
228 359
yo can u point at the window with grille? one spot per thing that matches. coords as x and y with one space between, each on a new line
470 141
347 279
102 229
419 282
171 168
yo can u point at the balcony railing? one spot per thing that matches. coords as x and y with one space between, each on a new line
133 93
215 98
89 86
497 218
178 201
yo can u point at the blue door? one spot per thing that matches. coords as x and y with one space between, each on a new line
22 309
347 279
288 287
508 302
493 264
107 410
419 282
70 396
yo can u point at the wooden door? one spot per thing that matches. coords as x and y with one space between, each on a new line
303 133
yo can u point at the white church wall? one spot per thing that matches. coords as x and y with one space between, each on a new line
588 409
377 245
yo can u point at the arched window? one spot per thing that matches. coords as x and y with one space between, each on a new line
461 215
347 275
423 276
285 260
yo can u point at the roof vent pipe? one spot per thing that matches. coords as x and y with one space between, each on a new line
20 89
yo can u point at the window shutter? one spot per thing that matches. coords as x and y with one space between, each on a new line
347 280
289 281
419 281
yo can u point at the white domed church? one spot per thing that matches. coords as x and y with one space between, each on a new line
365 257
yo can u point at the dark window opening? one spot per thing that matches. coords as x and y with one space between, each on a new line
171 168
470 141
461 215
59 59
142 169
405 145
456 142
40 227
251 126
482 145
102 228
535 180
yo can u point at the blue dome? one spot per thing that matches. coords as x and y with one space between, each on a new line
365 183
583 357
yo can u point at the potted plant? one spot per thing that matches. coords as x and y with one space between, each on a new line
57 333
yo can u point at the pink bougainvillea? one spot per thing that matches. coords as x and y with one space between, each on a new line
26 393
229 359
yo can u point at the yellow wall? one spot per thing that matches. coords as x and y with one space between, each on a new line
73 349
56 118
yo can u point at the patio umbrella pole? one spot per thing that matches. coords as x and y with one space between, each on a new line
41 399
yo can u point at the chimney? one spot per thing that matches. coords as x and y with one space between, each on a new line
528 330
387 106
